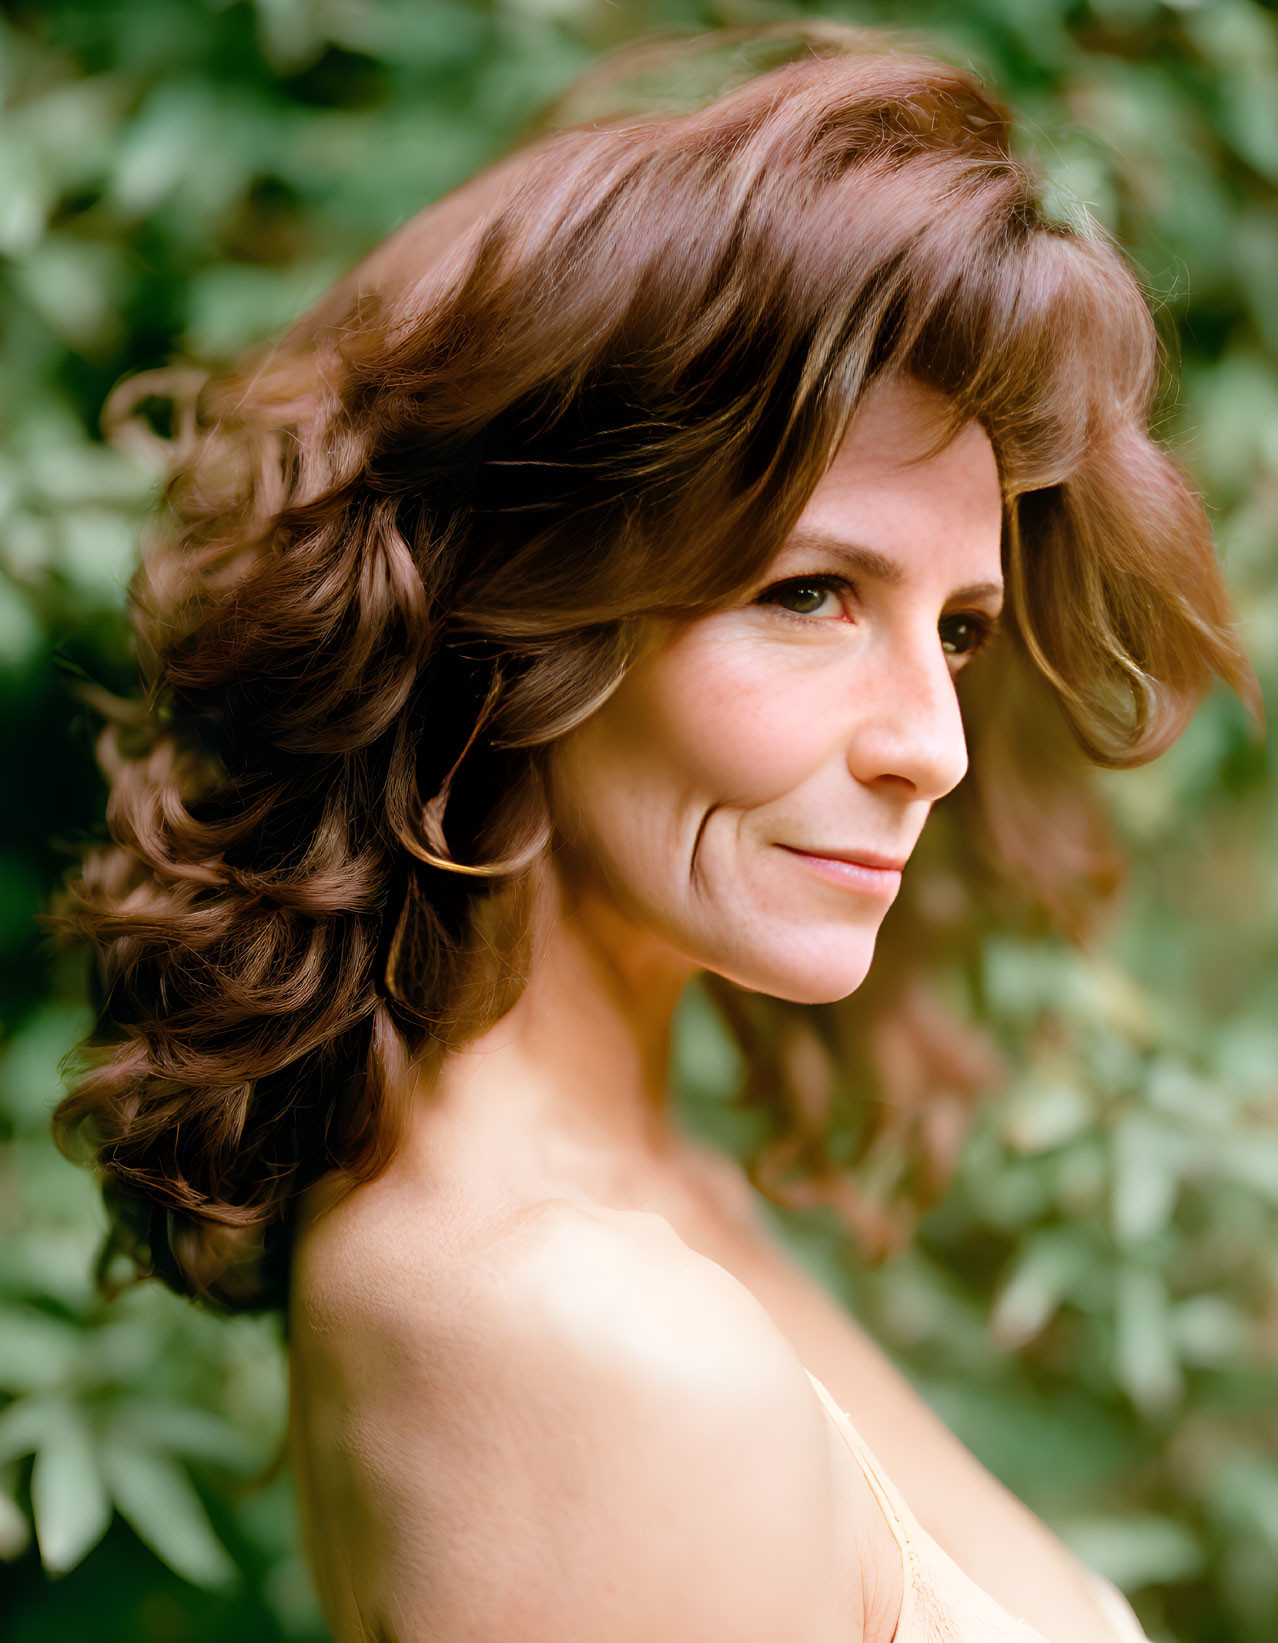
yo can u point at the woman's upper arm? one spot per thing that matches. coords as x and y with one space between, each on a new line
655 1464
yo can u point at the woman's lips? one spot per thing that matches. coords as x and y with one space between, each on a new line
869 872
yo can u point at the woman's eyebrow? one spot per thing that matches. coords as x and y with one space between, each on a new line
876 566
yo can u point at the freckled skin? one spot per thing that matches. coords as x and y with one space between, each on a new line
839 733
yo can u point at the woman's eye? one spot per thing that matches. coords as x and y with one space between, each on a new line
966 634
806 595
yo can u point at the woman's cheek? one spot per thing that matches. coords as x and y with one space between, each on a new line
747 721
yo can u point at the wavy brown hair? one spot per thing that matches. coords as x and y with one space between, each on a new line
405 548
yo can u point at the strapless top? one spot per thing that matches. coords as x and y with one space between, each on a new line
940 1603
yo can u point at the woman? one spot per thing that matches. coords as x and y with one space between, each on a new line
585 597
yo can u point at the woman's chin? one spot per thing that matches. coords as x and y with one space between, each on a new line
814 973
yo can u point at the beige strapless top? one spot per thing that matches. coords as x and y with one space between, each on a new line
942 1604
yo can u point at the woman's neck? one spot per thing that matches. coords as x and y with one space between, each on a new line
586 1048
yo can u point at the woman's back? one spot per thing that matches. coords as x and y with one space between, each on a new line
585 1430
492 1321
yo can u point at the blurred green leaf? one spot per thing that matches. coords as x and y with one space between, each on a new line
709 1060
1044 1272
158 1501
232 306
1211 1329
1147 1164
1044 1112
30 1083
36 1350
1145 1362
20 635
15 1531
69 1501
1137 1551
183 1429
25 1423
1242 1494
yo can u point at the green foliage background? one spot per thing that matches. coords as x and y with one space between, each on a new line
1094 1306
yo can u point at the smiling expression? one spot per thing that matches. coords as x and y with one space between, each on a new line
813 719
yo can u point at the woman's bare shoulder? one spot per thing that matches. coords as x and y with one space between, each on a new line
466 1287
379 1246
627 1442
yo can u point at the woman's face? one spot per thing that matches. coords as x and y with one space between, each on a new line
816 718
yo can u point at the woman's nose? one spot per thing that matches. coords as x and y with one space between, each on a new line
908 727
